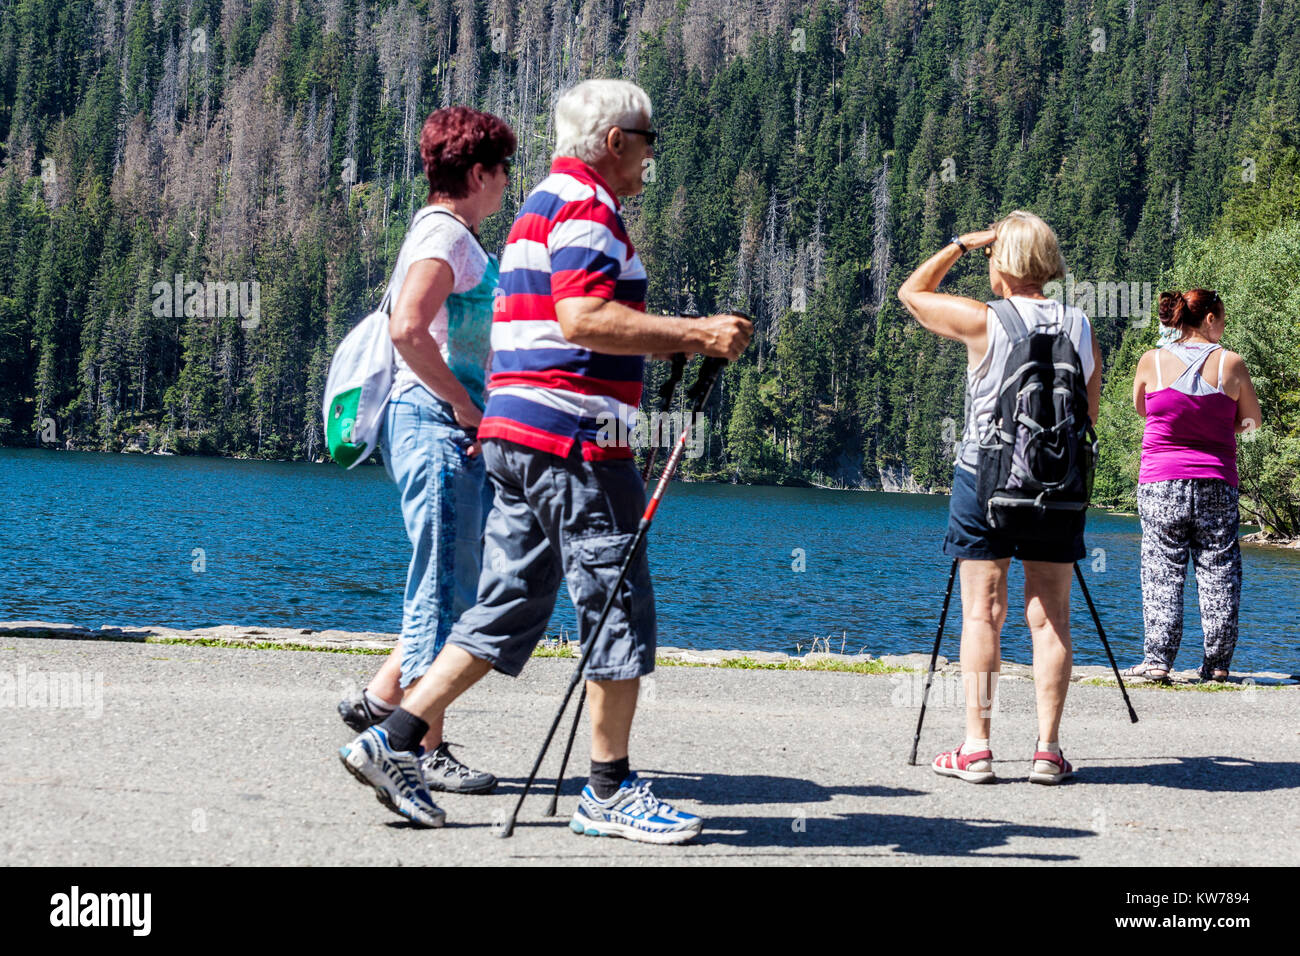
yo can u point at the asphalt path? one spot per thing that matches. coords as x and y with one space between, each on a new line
219 756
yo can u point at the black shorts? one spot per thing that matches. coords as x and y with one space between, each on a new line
969 535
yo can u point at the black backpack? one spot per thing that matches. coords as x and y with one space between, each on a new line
1037 455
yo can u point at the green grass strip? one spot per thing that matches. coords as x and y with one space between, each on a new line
567 651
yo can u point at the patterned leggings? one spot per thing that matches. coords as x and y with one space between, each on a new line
1199 516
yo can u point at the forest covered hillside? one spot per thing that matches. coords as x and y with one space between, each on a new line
198 198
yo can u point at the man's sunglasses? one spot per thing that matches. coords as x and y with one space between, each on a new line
649 134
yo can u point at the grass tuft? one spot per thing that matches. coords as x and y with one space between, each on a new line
1214 687
749 664
264 645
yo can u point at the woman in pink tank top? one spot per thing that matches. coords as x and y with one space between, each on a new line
1196 397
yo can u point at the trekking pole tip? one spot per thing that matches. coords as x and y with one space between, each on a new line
507 830
550 807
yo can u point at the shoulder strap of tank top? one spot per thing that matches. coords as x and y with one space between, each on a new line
1200 364
1223 355
1173 349
1011 321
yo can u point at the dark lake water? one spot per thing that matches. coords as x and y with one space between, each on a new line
96 539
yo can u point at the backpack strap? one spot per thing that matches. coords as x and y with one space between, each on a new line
1011 321
1067 321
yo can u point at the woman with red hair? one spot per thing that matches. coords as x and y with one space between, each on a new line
442 288
1187 486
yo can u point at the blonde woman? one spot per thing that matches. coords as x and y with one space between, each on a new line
1023 254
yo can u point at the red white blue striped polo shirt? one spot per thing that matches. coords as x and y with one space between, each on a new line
544 392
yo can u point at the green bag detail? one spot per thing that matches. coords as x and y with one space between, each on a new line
339 426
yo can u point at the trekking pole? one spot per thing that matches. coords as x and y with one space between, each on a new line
699 393
934 656
665 403
1133 717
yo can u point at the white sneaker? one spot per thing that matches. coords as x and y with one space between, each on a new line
635 814
395 775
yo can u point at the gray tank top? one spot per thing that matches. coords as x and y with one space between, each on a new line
1193 356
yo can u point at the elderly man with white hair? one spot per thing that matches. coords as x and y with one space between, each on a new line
569 340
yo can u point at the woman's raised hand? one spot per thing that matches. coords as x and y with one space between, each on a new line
978 240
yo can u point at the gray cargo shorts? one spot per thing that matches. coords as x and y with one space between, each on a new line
556 519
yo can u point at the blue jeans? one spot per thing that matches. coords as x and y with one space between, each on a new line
445 498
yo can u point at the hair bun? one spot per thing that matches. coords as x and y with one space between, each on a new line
1168 303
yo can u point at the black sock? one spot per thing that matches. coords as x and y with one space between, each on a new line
606 778
404 729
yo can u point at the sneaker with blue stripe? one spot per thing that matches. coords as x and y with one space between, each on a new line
634 813
395 775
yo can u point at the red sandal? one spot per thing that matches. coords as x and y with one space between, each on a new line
954 763
1062 772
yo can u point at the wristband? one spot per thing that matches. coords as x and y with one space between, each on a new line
960 244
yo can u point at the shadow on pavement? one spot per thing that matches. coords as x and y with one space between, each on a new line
914 835
723 789
920 836
1213 774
